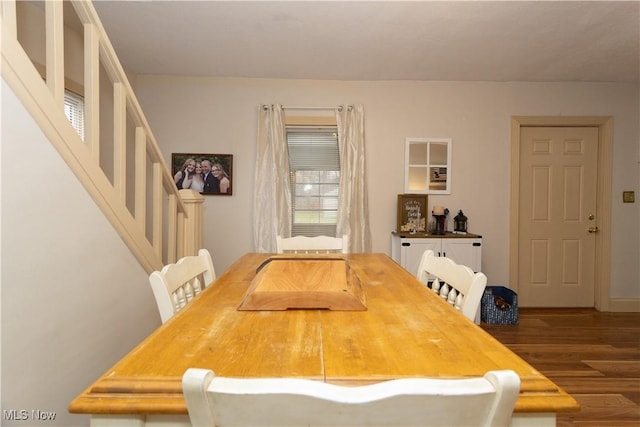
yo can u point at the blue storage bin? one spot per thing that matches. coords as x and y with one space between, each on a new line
499 306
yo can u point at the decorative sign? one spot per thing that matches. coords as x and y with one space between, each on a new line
412 213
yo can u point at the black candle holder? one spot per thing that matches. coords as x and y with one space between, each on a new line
440 224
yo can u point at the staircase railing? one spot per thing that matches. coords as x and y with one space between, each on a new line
118 162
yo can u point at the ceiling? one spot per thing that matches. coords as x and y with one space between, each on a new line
379 40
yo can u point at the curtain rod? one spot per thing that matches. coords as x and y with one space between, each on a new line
310 108
288 107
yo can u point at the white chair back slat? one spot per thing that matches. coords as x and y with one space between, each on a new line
444 291
451 298
181 299
197 286
457 303
435 286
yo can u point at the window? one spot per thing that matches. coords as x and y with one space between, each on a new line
314 163
74 110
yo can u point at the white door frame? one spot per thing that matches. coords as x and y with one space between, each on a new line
603 199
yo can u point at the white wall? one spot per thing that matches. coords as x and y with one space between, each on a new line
214 115
74 299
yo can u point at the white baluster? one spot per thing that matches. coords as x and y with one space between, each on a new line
435 286
451 298
176 302
189 291
197 285
444 291
458 303
181 299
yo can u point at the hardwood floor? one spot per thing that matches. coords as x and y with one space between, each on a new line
593 356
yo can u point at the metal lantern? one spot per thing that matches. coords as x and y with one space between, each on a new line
460 223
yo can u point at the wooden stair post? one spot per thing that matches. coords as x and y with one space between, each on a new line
192 235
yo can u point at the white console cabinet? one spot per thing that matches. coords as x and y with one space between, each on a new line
465 249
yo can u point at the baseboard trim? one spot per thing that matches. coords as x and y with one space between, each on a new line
624 305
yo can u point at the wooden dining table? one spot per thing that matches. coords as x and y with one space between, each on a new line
405 331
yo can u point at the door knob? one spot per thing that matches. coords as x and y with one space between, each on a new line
593 229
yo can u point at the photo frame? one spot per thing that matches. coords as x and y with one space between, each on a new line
210 179
412 213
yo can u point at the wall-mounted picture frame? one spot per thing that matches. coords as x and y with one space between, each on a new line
208 174
412 213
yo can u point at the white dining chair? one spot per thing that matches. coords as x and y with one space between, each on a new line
221 401
177 284
457 284
312 245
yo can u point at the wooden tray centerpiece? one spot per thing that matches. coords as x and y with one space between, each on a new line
287 282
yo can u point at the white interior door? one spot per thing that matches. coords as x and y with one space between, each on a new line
557 216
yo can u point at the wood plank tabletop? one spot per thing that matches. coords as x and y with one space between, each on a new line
406 331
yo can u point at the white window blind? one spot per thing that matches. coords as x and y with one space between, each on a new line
74 110
314 162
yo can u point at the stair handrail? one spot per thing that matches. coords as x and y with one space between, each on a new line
157 237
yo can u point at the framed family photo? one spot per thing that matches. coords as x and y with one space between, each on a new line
208 174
